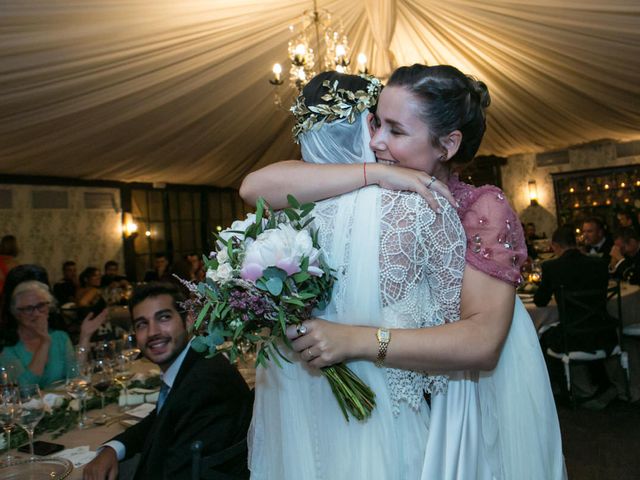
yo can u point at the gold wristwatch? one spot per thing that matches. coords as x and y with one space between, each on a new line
384 337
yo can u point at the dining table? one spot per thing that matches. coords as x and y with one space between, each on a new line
80 445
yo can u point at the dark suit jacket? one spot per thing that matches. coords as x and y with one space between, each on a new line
629 270
604 252
577 272
209 401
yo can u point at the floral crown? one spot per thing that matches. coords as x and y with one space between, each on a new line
340 104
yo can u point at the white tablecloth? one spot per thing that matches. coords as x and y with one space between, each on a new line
630 308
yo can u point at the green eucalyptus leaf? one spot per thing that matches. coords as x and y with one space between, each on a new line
200 344
274 272
274 286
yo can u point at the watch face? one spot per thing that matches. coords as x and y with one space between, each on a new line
383 335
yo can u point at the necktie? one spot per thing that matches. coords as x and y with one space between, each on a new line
162 396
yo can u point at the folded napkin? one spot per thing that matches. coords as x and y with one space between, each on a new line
53 400
78 456
136 396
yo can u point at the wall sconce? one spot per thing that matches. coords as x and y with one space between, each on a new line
533 192
129 227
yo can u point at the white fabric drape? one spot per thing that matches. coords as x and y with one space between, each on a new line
381 15
177 91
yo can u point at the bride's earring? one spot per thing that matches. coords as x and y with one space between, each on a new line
442 158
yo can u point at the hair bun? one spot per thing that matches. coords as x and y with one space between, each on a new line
482 91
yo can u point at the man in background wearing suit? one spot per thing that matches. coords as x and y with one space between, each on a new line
577 272
597 241
200 399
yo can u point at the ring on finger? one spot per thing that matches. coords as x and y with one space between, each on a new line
301 329
431 180
309 354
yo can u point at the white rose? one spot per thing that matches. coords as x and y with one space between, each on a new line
239 226
222 256
224 272
212 274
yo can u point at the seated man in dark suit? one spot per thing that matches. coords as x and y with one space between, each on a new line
625 256
201 399
576 272
596 239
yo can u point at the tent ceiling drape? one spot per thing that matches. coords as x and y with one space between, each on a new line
168 91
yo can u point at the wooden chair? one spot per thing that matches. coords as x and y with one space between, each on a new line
582 314
207 468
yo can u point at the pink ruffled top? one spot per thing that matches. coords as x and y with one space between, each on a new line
495 239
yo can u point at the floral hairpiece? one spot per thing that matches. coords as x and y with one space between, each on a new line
340 104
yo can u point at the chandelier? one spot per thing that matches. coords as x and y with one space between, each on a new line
331 51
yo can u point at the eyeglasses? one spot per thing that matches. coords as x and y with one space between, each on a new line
41 307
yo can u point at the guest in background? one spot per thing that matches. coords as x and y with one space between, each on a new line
8 254
627 218
17 275
89 295
597 241
112 277
65 289
201 398
625 256
575 271
198 266
161 271
38 353
530 236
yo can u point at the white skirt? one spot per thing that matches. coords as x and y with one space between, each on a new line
298 431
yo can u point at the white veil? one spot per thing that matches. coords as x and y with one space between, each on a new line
352 237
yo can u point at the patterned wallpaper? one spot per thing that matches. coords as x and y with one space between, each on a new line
522 168
48 237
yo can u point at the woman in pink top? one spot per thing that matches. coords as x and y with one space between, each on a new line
431 120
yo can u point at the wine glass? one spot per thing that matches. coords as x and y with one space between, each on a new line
101 380
122 375
130 346
77 386
8 374
10 412
32 411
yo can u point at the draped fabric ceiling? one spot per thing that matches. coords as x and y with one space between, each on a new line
177 92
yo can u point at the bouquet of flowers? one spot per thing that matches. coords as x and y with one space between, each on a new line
267 273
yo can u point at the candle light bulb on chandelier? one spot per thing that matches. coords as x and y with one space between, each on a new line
277 78
362 63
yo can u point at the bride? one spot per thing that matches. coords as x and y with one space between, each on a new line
436 114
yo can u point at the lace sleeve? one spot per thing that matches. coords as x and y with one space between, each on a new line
421 267
495 240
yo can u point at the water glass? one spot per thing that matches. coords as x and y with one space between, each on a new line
130 346
78 386
33 407
122 373
10 412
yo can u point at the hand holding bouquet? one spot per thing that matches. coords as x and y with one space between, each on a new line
267 274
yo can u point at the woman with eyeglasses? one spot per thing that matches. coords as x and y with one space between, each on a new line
37 353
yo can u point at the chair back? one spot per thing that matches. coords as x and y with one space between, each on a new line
583 315
615 292
208 468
